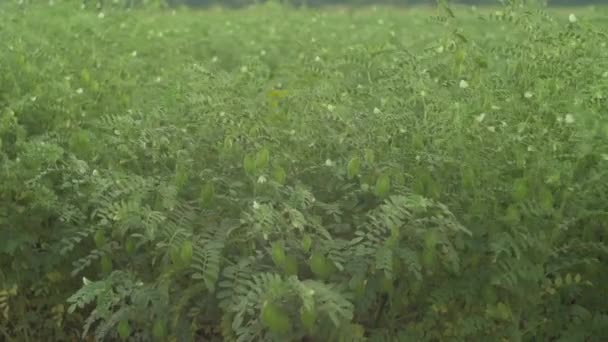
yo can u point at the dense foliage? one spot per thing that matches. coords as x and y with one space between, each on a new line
281 175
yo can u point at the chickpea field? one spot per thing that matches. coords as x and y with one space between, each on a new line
276 173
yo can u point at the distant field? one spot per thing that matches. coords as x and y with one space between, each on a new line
272 174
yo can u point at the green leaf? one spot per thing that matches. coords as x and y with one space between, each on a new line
275 319
85 76
278 254
279 175
100 238
520 190
249 164
504 312
320 266
207 193
546 199
383 186
262 158
106 264
353 167
124 330
418 141
512 215
306 242
130 246
159 330
369 156
290 266
185 252
308 317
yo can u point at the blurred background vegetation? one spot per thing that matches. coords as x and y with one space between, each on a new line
381 2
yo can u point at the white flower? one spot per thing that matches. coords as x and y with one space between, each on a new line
439 49
95 173
33 98
528 94
480 117
422 93
331 107
572 18
377 110
85 281
463 84
256 205
79 91
317 59
101 15
262 179
134 53
569 118
329 162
